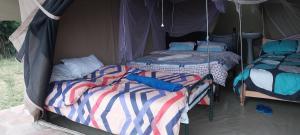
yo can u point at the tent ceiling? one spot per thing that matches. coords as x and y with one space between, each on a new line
244 2
9 10
239 1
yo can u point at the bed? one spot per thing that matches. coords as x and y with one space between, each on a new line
193 62
106 99
272 76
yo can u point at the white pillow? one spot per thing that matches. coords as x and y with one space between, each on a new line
60 72
82 66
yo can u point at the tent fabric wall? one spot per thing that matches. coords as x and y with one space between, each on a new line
251 19
27 7
134 28
190 16
9 10
282 18
28 10
87 28
179 17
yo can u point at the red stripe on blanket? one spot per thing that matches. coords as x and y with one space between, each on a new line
203 102
196 78
98 102
164 109
143 73
126 68
86 84
106 79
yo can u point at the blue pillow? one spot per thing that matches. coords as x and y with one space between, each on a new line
181 46
204 48
213 46
155 83
280 47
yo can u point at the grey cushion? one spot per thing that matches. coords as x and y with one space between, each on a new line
60 72
82 66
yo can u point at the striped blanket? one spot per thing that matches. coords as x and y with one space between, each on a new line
106 100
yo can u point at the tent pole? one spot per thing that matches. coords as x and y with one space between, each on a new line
210 91
186 129
207 35
162 14
239 6
263 21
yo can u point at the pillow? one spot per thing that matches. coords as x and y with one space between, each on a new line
82 66
181 46
228 39
60 72
280 47
213 46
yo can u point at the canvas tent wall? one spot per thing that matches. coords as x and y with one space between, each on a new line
282 19
87 26
89 29
9 10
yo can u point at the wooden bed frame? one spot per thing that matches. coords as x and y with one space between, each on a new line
247 93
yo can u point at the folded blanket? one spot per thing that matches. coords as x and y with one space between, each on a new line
155 83
176 56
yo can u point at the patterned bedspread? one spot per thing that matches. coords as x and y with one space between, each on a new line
226 58
197 63
274 75
106 100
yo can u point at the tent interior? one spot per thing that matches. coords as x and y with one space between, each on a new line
119 31
78 36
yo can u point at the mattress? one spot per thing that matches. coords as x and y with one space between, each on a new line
274 75
106 100
196 63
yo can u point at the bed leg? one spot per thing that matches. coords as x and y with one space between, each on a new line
242 94
211 103
186 129
217 93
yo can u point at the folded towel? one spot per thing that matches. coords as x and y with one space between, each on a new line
155 83
176 56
